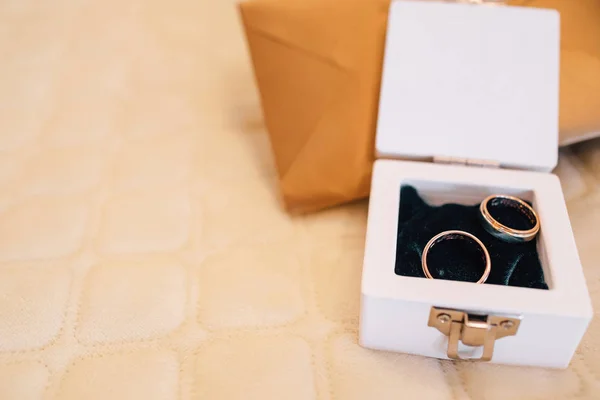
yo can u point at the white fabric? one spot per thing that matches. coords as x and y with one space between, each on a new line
143 254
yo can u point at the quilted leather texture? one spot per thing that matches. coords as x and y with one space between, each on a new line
143 250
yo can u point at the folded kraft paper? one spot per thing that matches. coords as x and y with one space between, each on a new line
318 68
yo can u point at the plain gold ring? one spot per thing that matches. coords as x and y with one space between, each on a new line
455 234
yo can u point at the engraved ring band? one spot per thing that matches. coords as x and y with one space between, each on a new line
460 235
503 232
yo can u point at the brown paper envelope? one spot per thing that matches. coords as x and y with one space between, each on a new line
318 67
579 67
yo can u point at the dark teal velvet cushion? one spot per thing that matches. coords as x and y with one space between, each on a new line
512 264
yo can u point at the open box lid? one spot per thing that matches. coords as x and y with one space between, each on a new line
469 81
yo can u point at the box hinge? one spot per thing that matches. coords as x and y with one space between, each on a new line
466 161
472 330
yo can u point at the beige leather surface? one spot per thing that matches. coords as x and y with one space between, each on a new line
143 251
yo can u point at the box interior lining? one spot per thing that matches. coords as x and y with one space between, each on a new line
428 208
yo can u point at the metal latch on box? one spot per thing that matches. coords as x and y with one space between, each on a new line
466 161
472 330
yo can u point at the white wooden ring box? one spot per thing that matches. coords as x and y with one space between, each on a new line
475 85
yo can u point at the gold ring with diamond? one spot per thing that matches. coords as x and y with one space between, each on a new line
504 232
